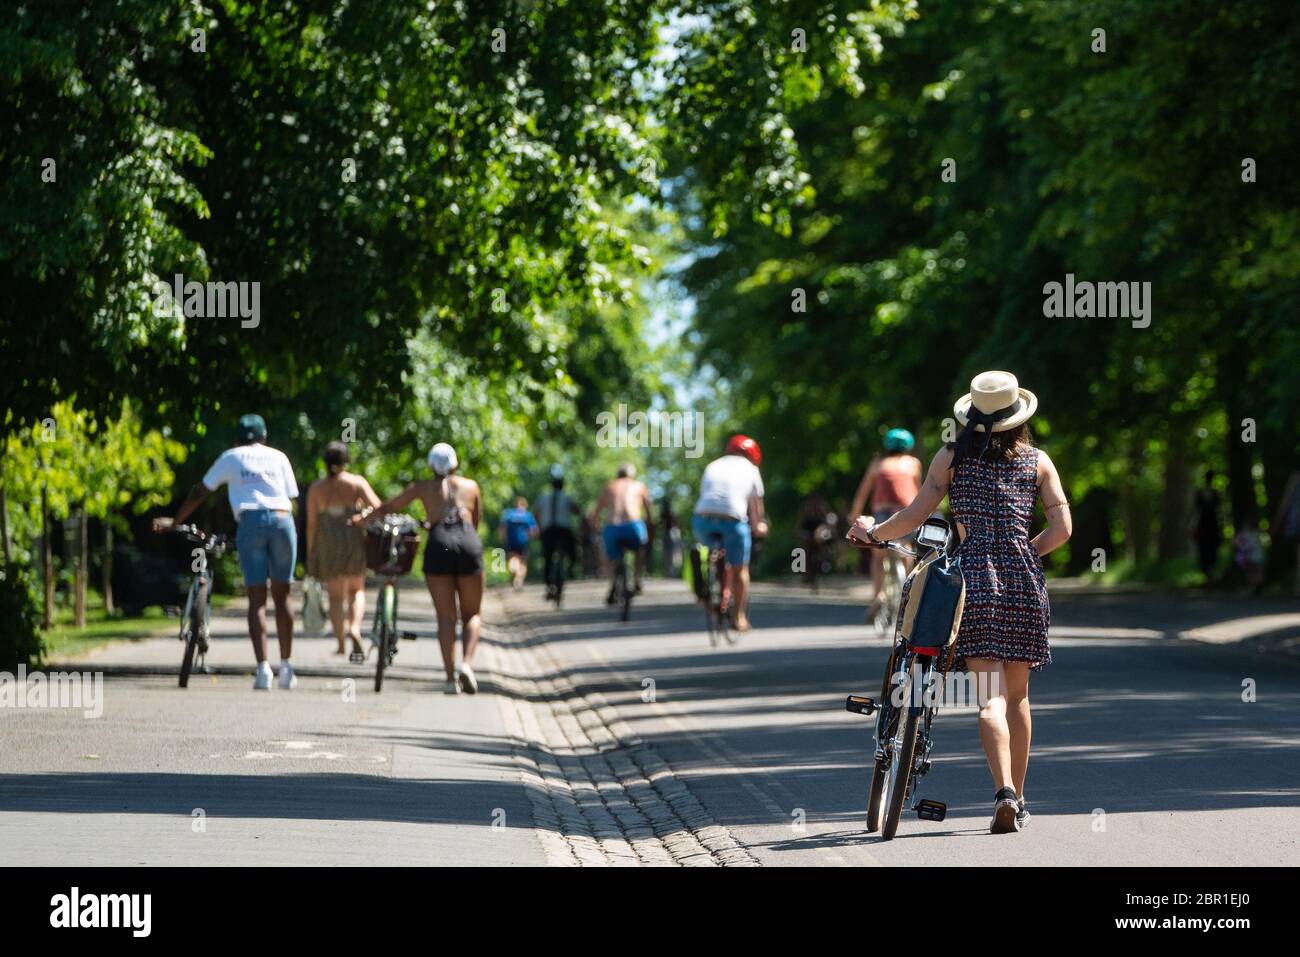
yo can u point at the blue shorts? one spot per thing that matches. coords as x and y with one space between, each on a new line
267 543
736 538
631 535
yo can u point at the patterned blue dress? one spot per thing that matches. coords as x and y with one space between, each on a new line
1006 613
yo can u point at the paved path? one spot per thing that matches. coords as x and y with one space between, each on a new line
1144 751
601 743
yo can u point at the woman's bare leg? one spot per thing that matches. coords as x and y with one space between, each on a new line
994 734
337 589
1019 725
356 589
470 589
442 589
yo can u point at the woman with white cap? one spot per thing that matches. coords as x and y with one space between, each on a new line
993 475
453 557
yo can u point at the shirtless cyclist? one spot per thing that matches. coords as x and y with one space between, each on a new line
628 502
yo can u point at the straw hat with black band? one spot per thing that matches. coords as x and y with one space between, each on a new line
995 403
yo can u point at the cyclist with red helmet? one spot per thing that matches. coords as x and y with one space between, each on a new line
731 506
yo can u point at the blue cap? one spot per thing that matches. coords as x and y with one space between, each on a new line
251 428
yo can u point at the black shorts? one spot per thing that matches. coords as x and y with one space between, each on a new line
453 550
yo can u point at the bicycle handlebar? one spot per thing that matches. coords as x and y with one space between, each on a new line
891 544
196 534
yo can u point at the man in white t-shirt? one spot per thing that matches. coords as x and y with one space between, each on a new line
261 486
730 506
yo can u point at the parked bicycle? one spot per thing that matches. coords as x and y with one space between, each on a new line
909 698
391 544
196 617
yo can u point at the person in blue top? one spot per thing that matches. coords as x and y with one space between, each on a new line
518 528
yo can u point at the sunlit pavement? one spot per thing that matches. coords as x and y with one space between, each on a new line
1145 751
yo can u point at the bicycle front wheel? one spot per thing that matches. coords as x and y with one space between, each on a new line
900 772
194 624
386 616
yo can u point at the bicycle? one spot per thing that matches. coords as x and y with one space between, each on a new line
391 544
904 714
554 558
196 618
895 573
819 550
717 596
622 594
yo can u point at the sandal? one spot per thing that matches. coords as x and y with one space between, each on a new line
357 656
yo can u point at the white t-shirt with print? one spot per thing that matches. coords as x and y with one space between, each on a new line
728 485
258 476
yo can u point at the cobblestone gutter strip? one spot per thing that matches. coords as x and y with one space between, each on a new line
600 794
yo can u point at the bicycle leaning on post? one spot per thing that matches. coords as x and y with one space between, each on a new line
391 544
913 681
196 617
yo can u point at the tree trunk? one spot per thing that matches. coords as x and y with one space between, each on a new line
1175 503
4 526
1137 523
106 566
47 558
83 553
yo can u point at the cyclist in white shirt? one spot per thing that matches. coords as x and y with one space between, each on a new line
555 511
731 506
261 486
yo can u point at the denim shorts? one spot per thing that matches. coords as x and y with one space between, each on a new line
630 535
736 537
267 543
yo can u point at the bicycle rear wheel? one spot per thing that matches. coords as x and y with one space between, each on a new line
623 592
722 615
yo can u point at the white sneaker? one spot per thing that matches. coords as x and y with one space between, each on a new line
468 683
263 680
451 688
287 678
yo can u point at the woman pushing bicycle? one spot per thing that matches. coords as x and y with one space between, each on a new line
453 557
992 476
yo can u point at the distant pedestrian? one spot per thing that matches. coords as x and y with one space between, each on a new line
453 558
262 489
1248 551
518 528
1287 520
1208 530
336 548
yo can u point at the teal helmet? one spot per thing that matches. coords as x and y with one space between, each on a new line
899 440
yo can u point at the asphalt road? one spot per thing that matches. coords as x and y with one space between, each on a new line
1144 752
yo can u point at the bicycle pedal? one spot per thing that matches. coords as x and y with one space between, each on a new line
931 810
409 636
859 704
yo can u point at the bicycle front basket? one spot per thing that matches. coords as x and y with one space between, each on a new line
391 547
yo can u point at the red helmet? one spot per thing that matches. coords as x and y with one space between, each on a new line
744 445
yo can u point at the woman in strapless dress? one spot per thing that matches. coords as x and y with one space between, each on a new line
336 548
